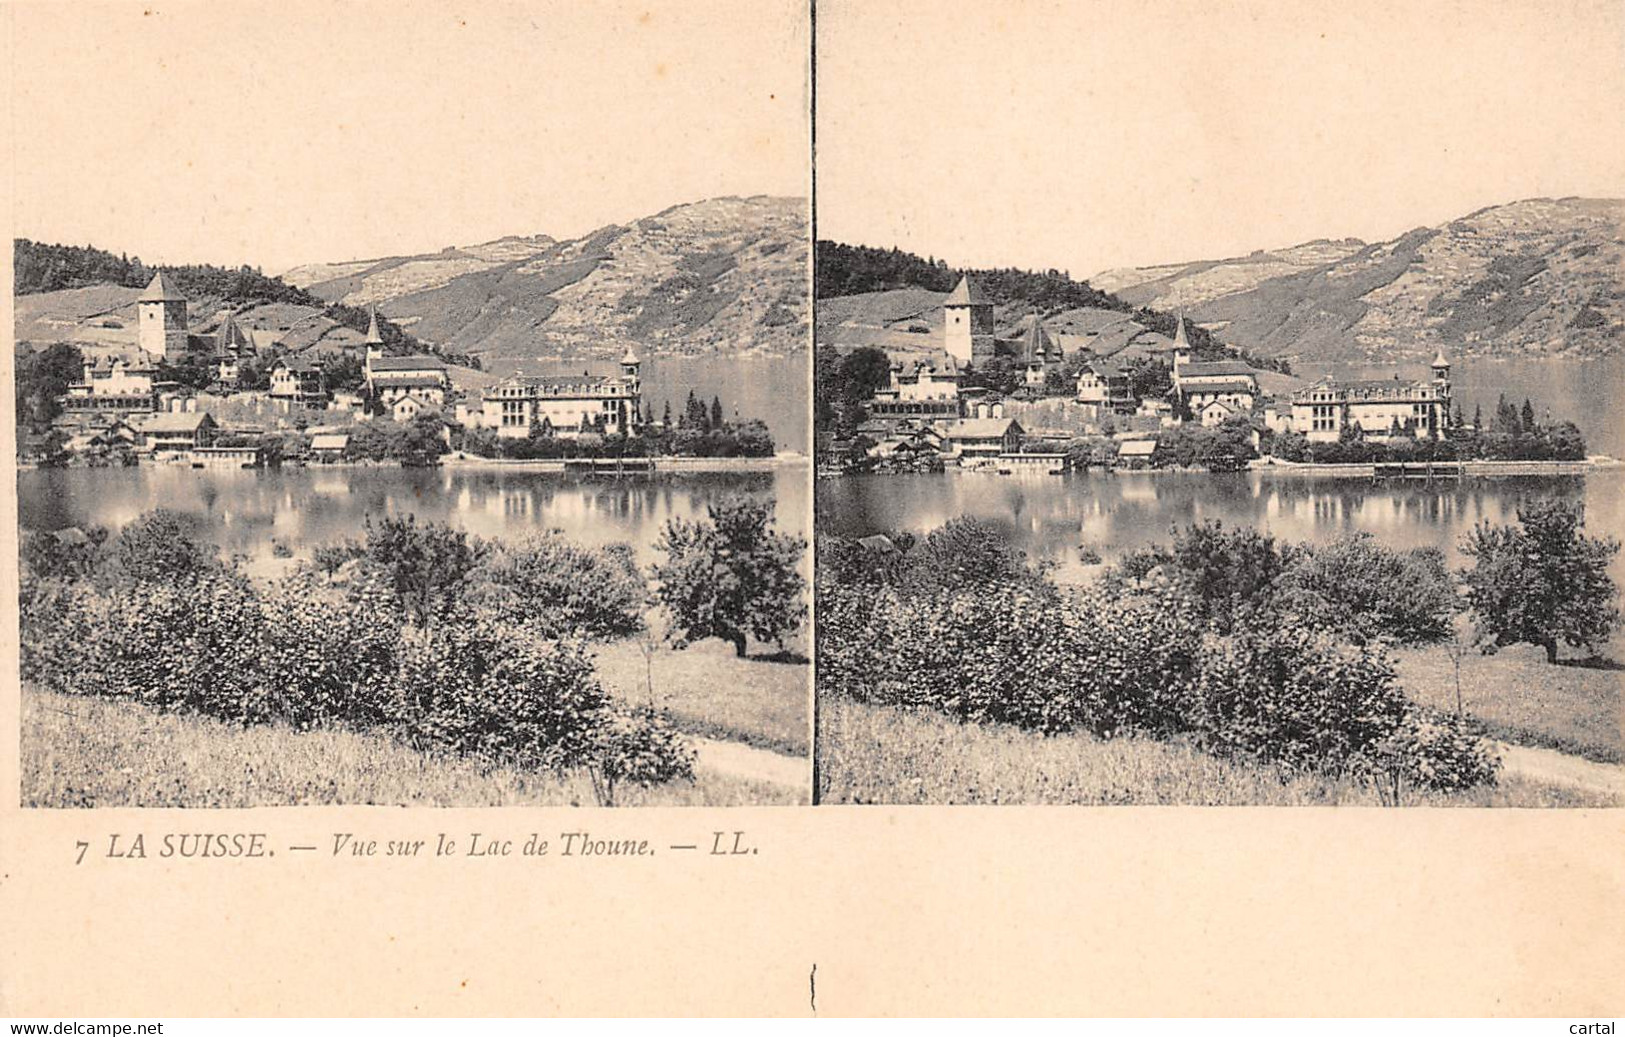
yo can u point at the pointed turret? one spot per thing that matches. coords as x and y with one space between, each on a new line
161 290
967 293
374 336
1441 364
1036 343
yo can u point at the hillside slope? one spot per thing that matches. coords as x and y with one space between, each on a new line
723 275
1535 278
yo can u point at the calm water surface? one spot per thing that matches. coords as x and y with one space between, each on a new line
1048 516
308 507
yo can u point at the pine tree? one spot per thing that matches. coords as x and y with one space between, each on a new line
716 413
1478 417
666 420
1528 417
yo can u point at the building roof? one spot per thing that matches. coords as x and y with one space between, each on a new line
160 290
230 339
297 364
1439 359
1137 448
1107 368
1216 369
1220 404
978 428
1230 385
1036 344
630 357
172 421
967 293
418 381
415 362
373 336
136 362
329 441
1180 341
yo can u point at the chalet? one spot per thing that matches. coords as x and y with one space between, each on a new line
298 380
182 430
329 446
1217 412
986 437
1106 385
1136 453
116 383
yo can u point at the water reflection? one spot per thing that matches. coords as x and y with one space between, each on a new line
1049 515
305 507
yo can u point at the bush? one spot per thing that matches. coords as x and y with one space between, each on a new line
162 546
426 566
501 693
1145 659
557 584
637 746
1365 590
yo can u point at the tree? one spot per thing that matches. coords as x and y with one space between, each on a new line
731 576
716 412
665 419
1541 581
427 566
43 377
1527 417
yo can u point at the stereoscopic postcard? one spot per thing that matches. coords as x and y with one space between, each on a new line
779 508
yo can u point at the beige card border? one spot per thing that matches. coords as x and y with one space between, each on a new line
1032 911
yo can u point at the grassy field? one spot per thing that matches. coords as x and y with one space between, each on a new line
878 754
707 691
86 752
1522 698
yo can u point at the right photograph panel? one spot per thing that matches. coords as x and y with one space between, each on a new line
1217 404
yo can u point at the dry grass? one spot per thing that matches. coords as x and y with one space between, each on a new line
706 690
878 754
87 752
1522 698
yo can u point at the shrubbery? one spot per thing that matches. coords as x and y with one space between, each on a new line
1134 656
161 621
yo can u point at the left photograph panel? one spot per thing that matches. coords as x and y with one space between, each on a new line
415 412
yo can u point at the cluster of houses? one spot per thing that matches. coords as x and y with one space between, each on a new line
122 400
926 409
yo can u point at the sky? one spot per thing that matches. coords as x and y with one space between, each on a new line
1090 135
283 133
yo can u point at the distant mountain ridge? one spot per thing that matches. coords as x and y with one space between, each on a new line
1534 278
724 275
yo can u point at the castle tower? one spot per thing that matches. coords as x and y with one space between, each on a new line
967 323
161 320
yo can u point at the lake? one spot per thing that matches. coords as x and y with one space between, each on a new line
774 389
244 510
1586 392
1048 516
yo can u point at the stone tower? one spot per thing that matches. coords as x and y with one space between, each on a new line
161 323
967 323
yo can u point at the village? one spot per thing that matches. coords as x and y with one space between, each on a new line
126 407
1112 402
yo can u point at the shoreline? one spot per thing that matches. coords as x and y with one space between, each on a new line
663 465
1335 471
